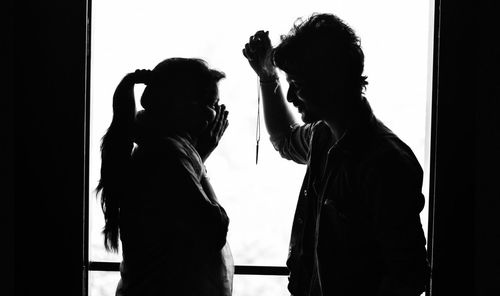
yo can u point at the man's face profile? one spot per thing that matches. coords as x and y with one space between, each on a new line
301 98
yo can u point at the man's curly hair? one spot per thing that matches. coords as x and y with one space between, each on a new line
320 48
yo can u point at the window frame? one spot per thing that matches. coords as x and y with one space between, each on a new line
260 270
86 182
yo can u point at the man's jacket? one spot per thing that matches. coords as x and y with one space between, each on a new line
357 228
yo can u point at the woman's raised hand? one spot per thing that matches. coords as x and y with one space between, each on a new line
212 134
141 76
124 109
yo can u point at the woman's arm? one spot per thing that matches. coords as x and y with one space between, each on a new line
188 204
210 137
123 99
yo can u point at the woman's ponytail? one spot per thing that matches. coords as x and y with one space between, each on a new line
116 148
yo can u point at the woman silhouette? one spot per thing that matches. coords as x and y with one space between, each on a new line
156 197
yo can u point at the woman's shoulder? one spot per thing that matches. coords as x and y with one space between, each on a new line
171 153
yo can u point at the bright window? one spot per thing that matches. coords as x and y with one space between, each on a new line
260 199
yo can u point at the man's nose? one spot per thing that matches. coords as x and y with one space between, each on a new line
290 95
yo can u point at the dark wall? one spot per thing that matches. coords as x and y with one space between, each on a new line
47 80
453 153
487 189
7 246
467 199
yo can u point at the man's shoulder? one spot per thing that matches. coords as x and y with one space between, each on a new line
383 147
319 130
390 152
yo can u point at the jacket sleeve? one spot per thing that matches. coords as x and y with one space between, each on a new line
395 200
295 144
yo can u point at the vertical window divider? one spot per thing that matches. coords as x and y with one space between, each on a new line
433 140
86 189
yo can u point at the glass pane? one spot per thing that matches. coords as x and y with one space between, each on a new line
262 285
103 283
260 199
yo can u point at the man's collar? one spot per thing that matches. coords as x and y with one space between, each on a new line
362 123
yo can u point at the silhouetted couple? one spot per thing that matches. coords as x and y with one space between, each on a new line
356 229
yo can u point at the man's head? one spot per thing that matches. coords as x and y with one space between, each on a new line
324 63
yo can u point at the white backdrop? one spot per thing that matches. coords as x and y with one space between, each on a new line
260 199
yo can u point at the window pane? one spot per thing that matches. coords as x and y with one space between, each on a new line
259 199
251 285
103 283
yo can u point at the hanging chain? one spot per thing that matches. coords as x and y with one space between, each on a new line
257 132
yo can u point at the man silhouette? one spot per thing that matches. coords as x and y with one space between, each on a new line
357 228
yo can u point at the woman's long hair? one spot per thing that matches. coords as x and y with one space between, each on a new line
116 148
171 78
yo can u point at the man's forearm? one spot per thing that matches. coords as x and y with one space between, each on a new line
277 116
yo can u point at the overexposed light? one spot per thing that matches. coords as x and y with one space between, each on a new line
260 199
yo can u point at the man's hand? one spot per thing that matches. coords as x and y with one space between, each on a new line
211 136
258 53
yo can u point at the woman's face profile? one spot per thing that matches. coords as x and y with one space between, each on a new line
205 111
194 115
